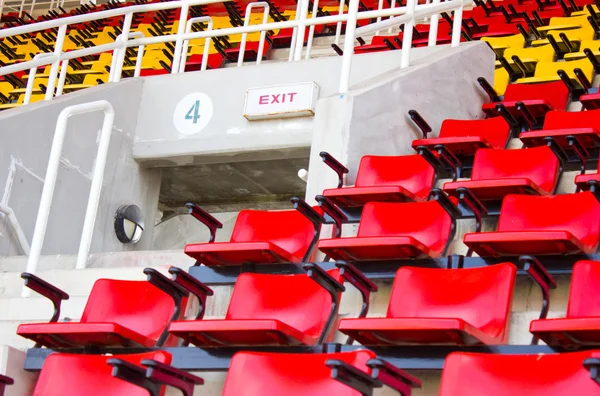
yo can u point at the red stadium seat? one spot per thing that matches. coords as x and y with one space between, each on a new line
117 313
258 374
90 375
559 125
532 375
262 237
267 310
386 179
561 224
442 306
537 98
585 182
390 231
464 137
497 173
581 326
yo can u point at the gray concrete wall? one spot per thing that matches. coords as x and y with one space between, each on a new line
372 118
26 135
229 136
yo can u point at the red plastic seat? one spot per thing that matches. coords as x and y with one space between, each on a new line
502 375
265 310
76 374
395 231
582 180
584 125
263 237
117 313
539 99
258 374
464 137
497 173
250 52
386 179
590 101
581 326
560 224
442 306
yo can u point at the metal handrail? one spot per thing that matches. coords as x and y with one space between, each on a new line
43 215
16 228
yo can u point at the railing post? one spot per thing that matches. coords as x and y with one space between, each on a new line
301 30
294 32
120 55
349 46
408 33
311 31
457 25
31 78
186 42
63 76
433 27
183 16
58 48
338 28
261 44
43 215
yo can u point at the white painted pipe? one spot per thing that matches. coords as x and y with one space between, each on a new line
31 77
408 34
294 32
64 68
16 228
301 30
43 215
311 31
58 50
338 28
183 16
123 43
186 42
433 27
247 17
348 46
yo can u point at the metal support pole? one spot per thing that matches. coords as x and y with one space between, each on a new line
120 55
349 46
63 76
408 33
16 228
294 32
457 25
183 16
311 31
301 30
58 49
186 42
433 27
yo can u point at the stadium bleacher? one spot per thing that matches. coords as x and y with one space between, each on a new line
492 185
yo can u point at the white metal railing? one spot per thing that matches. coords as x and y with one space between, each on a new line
407 15
16 228
41 222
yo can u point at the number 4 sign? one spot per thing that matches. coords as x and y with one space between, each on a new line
193 113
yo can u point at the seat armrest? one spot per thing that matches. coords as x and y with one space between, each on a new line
536 270
47 290
192 285
357 279
447 157
134 374
301 206
4 380
334 164
334 212
206 218
352 376
420 122
165 284
469 200
558 151
393 377
445 202
164 374
322 277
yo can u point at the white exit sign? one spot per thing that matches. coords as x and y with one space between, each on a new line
281 101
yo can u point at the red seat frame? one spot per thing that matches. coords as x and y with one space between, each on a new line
581 326
386 179
584 125
442 306
465 137
532 375
265 310
117 313
78 374
539 99
259 237
497 173
561 224
389 231
258 374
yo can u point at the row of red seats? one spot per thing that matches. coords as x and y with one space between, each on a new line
466 306
340 374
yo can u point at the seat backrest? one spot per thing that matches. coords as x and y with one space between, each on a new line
295 300
583 296
90 375
427 222
572 119
259 374
555 93
495 130
500 375
288 229
577 213
136 305
538 164
480 296
550 69
412 172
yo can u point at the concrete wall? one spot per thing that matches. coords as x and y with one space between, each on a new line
229 134
26 134
372 118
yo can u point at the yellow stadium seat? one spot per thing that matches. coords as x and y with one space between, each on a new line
547 71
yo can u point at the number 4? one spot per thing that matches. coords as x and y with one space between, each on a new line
193 112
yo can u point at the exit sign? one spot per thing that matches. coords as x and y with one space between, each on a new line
281 101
